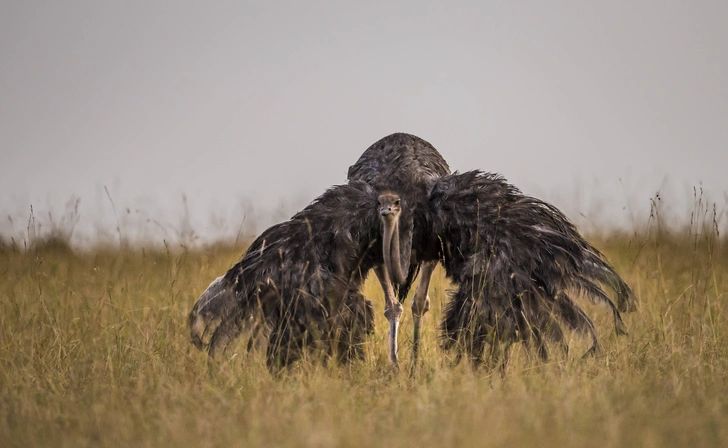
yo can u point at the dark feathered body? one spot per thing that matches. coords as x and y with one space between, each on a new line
515 259
302 279
408 165
399 160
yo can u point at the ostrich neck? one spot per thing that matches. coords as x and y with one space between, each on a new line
390 251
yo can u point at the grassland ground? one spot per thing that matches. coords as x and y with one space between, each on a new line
95 351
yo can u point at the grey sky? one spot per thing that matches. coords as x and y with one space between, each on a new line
580 103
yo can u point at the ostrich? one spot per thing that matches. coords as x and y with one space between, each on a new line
399 162
408 165
514 260
301 279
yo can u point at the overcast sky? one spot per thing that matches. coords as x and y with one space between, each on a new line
257 107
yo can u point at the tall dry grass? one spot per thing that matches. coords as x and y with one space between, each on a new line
94 351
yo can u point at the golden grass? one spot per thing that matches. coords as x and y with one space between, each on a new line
94 350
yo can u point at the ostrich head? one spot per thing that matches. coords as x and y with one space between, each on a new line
390 210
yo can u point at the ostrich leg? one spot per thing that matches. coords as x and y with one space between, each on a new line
392 311
421 303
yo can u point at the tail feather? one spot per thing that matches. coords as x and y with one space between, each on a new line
547 325
575 318
215 319
596 267
594 293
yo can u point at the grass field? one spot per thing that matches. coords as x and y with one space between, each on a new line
95 351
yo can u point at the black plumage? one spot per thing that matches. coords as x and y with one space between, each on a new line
515 261
401 160
301 279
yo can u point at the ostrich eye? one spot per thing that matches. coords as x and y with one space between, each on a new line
396 202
